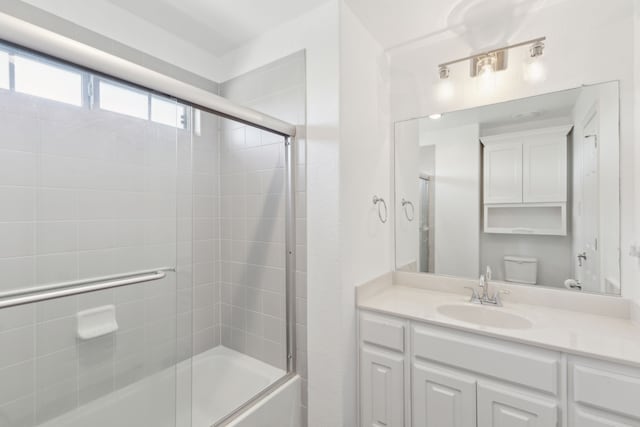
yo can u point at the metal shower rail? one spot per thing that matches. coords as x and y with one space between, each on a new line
66 289
31 36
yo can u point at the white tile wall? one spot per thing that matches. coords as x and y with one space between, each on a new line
252 216
88 193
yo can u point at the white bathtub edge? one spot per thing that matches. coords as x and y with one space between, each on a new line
280 408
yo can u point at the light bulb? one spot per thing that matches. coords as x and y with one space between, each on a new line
534 67
445 89
486 80
486 74
535 70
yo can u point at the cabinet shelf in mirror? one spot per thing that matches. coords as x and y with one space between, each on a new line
529 219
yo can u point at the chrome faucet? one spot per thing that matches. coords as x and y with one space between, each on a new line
486 298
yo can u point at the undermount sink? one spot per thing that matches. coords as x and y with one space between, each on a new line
485 316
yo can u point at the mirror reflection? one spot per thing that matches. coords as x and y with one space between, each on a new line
526 189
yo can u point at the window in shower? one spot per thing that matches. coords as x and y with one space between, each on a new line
30 74
46 80
124 99
168 113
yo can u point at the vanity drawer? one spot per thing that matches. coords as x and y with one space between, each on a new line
523 365
382 331
607 387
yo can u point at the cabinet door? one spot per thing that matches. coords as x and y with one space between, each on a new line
545 170
591 418
442 398
381 388
503 173
503 407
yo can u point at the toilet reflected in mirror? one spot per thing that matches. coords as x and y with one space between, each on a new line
529 188
521 270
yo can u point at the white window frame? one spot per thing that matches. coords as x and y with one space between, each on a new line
90 92
95 99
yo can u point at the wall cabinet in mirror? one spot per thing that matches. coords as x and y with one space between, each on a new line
526 167
503 172
530 218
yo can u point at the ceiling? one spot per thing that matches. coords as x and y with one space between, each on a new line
217 26
483 23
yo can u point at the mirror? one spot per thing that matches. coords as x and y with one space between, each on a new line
529 188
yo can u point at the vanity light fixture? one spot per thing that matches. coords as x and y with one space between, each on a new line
445 88
435 116
485 71
534 67
484 65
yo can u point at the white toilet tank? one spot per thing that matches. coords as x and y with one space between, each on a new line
520 269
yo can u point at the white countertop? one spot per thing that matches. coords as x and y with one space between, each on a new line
610 338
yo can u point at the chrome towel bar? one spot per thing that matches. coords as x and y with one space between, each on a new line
66 289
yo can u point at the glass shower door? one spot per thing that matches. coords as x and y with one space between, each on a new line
88 193
240 196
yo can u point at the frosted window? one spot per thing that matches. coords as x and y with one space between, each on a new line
120 99
167 112
47 81
4 70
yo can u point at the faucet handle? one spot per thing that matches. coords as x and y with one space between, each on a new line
497 298
474 294
483 285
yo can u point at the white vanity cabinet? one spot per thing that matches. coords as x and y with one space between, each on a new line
501 406
441 397
466 380
382 371
415 374
603 394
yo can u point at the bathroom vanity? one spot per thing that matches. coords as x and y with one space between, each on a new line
525 191
429 358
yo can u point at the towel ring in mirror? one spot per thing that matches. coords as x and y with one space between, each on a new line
406 212
380 201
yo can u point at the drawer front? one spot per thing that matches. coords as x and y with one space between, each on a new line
607 388
500 406
582 417
382 331
523 365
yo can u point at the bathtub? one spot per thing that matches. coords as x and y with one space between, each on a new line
195 393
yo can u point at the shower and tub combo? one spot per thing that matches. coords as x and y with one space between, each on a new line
148 246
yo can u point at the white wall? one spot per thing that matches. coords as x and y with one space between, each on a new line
575 29
364 155
317 32
457 201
